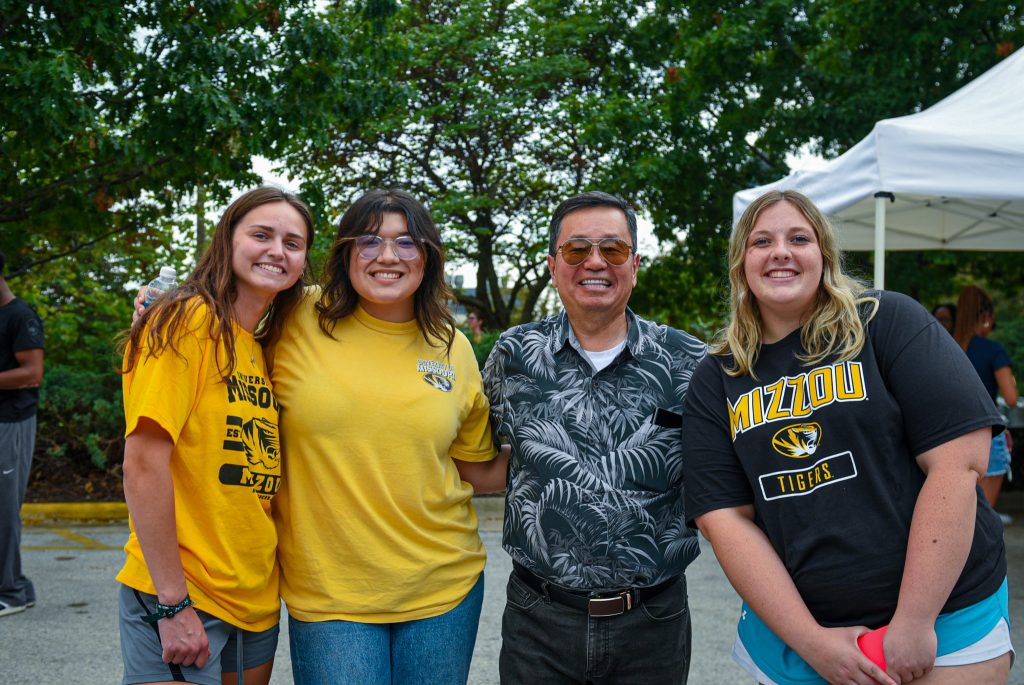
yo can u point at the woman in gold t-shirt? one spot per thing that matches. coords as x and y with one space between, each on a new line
202 454
384 425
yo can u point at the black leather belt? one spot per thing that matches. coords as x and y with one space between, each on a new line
595 604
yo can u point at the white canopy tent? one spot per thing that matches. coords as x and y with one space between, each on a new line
948 178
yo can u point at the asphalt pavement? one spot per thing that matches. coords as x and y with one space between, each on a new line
71 635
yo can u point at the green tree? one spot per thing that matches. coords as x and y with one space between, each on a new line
117 121
492 111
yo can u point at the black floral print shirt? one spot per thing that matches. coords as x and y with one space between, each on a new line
595 493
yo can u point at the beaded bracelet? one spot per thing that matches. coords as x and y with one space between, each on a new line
168 610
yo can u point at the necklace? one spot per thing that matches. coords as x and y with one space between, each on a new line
251 344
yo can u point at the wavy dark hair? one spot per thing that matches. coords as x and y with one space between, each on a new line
213 283
339 299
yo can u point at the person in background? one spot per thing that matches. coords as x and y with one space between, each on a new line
945 314
202 461
385 433
589 401
475 322
835 437
21 372
976 319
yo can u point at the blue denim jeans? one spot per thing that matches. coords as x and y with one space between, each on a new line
430 651
546 643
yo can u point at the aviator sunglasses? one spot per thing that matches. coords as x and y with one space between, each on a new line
370 245
576 250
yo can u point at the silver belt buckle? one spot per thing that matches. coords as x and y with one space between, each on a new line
602 607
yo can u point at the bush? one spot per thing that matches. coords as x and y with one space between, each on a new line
483 348
80 416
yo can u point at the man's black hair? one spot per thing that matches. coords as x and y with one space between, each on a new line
594 198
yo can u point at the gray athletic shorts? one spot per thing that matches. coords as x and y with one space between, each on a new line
143 654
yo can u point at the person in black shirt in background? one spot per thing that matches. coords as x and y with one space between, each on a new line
21 372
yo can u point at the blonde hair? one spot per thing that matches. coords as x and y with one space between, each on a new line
834 327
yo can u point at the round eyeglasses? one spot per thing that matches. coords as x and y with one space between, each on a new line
576 250
370 245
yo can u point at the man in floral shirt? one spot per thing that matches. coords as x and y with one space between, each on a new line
589 401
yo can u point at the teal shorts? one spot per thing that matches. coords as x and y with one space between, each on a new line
776 661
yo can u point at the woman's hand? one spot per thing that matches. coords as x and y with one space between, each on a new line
184 639
140 307
834 654
759 576
910 649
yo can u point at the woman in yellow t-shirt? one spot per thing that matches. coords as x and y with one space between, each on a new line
202 454
385 432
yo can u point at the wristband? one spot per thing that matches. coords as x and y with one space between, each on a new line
168 610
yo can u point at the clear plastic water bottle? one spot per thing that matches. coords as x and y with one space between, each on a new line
167 280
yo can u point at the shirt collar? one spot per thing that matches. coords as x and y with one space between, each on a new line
563 334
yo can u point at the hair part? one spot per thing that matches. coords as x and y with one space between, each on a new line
973 305
213 283
3 264
594 198
430 302
834 328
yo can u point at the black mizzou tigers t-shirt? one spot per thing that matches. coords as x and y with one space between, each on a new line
826 455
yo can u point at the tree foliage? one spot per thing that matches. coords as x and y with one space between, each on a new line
115 119
120 122
748 83
491 111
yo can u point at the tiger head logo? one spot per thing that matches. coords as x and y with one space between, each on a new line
262 445
798 441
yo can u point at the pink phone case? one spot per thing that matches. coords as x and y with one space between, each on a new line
871 645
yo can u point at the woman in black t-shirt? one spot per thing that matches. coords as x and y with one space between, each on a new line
835 439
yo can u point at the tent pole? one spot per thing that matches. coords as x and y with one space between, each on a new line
880 198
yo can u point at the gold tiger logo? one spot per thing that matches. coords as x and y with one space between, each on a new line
798 441
262 446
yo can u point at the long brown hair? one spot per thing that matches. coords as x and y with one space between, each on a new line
973 306
339 298
835 326
213 283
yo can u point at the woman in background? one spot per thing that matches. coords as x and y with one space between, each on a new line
976 319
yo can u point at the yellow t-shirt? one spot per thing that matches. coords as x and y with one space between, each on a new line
374 523
226 466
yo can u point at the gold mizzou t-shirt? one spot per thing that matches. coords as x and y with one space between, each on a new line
226 467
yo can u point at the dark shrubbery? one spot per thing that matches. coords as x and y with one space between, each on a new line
483 348
80 417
